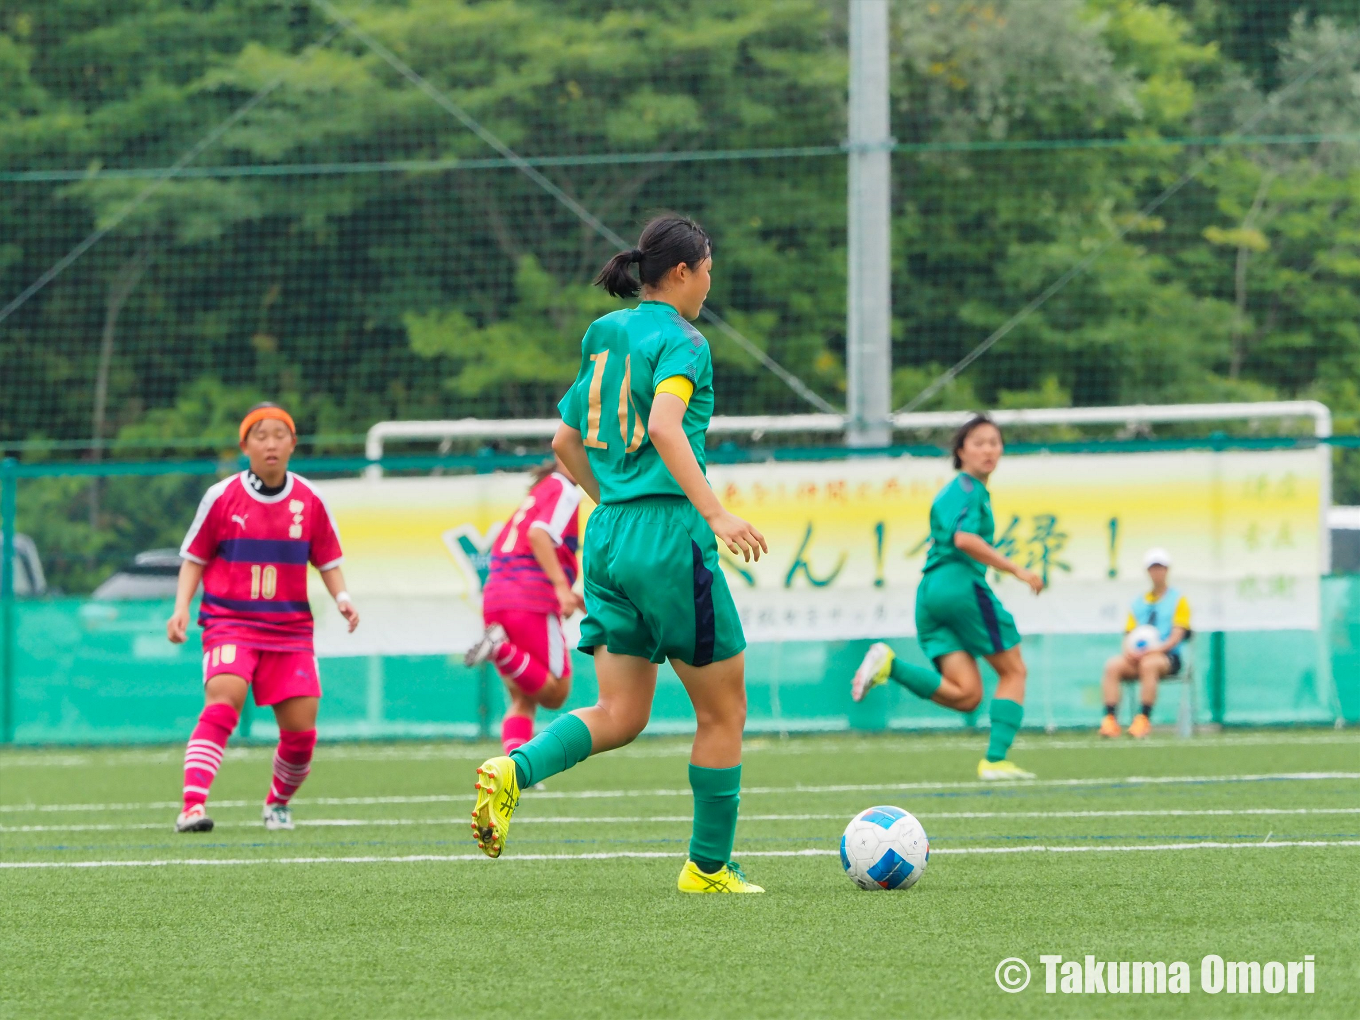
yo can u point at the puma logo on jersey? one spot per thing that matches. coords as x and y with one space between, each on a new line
240 519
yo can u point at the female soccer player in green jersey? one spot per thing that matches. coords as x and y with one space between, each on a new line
958 618
632 435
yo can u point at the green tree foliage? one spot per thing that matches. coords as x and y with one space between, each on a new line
401 276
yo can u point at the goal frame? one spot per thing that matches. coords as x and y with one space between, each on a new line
756 426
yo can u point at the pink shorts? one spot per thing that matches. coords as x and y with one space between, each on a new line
538 634
273 676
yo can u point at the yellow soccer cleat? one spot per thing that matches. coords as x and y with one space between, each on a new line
873 671
729 880
497 798
1001 771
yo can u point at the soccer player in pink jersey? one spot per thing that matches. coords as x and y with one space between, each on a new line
528 593
249 545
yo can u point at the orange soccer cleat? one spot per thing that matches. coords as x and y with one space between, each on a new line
1140 727
1109 726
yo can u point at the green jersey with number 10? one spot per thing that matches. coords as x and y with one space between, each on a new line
625 355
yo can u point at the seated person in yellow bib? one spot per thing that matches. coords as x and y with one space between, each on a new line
1166 609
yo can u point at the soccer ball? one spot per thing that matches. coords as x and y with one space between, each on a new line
884 848
1141 638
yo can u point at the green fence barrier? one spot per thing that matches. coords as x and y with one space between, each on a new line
103 672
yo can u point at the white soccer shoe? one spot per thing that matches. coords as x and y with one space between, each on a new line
194 820
278 817
486 645
873 671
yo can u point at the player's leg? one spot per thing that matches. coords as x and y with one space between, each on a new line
1117 669
528 651
290 683
718 693
1151 668
626 685
517 726
959 683
697 626
224 695
292 758
881 663
1007 712
626 678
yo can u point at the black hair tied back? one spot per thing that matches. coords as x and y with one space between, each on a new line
666 242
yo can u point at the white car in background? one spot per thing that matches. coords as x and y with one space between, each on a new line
153 574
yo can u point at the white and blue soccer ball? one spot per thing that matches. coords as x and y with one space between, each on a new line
885 848
1141 638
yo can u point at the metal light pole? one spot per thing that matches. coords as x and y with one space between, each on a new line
869 301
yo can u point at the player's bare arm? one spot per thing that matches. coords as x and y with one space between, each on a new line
177 627
665 427
982 551
545 554
334 579
571 448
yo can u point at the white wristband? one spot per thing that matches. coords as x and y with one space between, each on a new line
343 596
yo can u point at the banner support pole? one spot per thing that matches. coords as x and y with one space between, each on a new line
9 480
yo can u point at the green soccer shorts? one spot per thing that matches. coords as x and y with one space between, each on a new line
654 587
956 611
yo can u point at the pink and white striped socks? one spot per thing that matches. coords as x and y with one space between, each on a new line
203 755
292 763
520 668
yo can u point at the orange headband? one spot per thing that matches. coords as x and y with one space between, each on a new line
264 414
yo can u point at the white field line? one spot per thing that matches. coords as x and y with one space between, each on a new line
746 791
893 743
623 854
686 819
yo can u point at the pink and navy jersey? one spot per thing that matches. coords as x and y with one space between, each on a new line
255 550
515 581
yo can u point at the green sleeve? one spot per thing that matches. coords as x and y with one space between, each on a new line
569 407
968 512
684 352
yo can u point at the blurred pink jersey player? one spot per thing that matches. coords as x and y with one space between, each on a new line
250 543
527 594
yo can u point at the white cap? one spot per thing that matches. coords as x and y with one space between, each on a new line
1156 557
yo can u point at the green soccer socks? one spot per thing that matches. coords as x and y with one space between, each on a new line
563 744
1006 717
920 681
716 795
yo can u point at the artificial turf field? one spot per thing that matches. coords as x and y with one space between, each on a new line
336 920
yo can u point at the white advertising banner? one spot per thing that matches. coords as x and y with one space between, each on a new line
848 538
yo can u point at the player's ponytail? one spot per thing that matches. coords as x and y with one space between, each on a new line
965 430
666 242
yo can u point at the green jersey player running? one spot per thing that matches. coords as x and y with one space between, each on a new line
958 617
632 435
